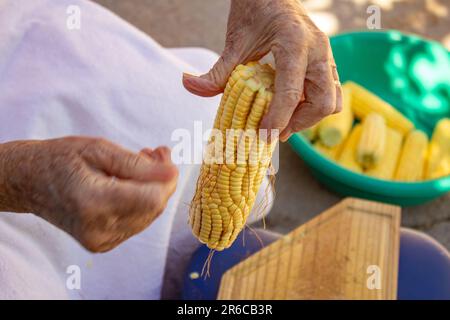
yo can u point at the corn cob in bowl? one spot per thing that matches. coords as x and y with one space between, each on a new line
391 74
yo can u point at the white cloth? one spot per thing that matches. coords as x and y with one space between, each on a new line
107 79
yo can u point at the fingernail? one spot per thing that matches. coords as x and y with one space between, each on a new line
188 75
158 155
147 152
200 86
285 135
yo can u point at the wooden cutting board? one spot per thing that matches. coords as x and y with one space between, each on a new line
350 251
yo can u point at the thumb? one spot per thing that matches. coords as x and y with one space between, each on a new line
213 82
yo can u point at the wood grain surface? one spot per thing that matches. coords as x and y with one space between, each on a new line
337 255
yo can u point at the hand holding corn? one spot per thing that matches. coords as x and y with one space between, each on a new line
307 85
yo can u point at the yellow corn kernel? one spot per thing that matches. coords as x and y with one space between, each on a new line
347 157
226 190
385 169
365 102
438 164
335 128
371 144
412 157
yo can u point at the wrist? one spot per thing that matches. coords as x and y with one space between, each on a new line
15 175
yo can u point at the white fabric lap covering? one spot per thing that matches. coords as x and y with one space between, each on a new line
110 80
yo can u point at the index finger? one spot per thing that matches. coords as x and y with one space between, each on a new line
131 198
291 68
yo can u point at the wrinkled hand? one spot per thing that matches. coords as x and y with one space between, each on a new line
307 85
93 189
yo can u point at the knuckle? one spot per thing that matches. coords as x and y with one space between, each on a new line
97 142
94 146
291 95
297 123
89 241
229 56
132 161
233 40
223 67
323 38
97 241
112 243
320 67
291 26
149 202
165 149
326 109
159 203
100 247
288 57
94 248
296 27
166 152
278 123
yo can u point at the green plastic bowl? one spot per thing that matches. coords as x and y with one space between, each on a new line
411 73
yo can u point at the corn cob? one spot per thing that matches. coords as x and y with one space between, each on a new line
412 158
226 188
347 157
439 151
370 147
385 169
365 102
335 128
329 152
310 133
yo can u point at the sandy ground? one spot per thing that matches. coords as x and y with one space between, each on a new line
202 23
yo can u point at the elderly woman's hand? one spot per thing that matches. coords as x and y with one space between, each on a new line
93 189
307 86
